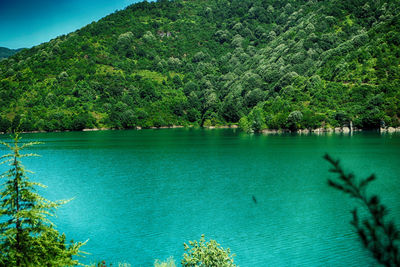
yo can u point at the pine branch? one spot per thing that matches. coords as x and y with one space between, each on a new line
376 233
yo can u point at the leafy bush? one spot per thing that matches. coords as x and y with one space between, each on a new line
202 253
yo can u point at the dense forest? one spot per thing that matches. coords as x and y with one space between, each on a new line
265 64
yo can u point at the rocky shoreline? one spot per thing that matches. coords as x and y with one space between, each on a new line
329 130
317 130
389 130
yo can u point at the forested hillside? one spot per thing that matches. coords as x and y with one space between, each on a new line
6 52
267 63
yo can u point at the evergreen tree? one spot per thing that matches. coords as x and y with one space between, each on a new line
27 236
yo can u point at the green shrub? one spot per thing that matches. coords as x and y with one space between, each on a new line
202 253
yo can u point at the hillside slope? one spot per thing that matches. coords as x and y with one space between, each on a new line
266 63
7 52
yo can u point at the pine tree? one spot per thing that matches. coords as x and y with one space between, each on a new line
27 236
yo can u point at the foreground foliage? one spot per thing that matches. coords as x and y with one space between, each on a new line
198 253
268 63
379 235
27 236
202 253
104 264
170 262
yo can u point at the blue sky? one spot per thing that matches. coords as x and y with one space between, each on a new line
26 23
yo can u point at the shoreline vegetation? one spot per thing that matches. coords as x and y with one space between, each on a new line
321 130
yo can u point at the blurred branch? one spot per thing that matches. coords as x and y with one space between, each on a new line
379 235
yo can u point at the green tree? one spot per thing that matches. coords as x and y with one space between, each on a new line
294 119
244 124
27 236
257 119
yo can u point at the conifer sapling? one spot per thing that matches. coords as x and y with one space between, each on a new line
27 236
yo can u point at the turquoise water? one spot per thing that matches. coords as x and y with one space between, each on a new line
139 195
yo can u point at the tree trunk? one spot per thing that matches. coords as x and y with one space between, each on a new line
17 222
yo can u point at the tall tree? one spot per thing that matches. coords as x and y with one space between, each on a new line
27 236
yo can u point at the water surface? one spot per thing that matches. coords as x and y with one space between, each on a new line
139 195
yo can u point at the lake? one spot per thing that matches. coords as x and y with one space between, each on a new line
139 195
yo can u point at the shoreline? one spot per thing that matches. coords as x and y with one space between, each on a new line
341 130
345 130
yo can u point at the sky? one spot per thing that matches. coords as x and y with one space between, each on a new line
26 23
